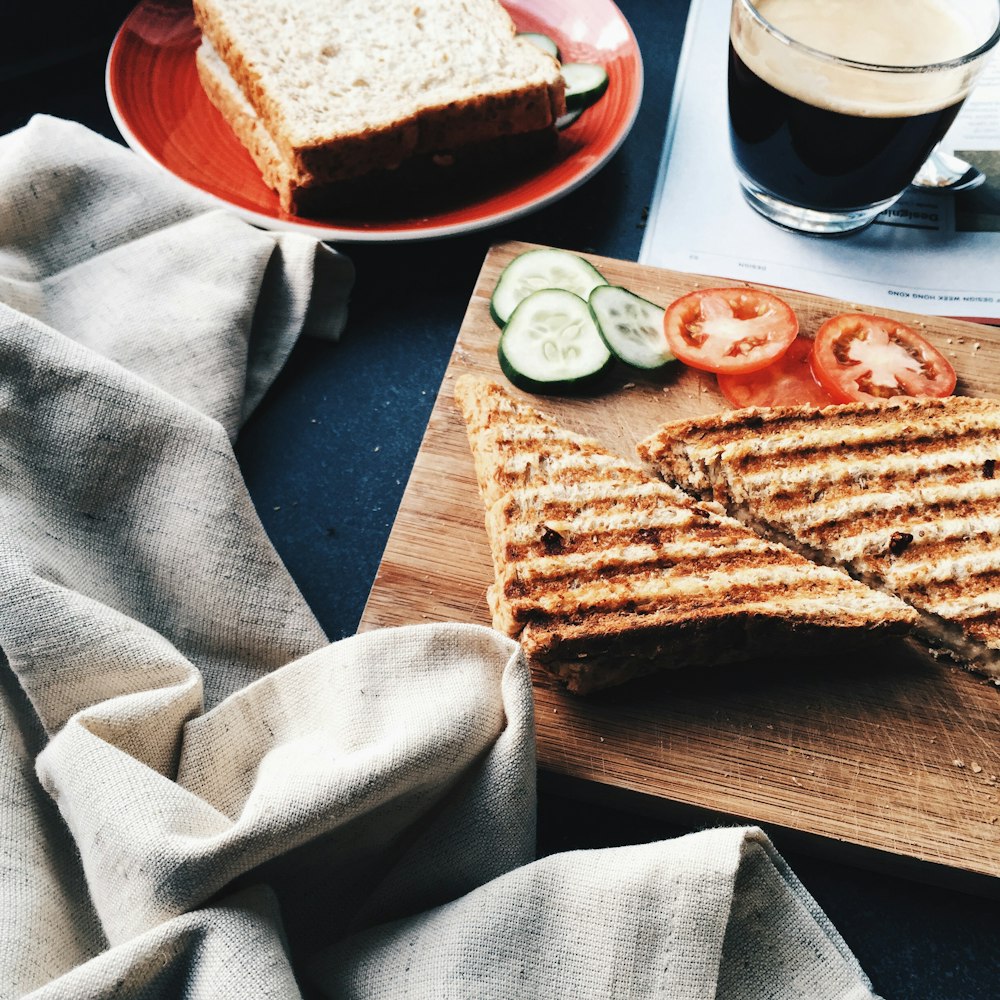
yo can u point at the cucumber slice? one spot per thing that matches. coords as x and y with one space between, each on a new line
564 121
536 269
551 344
585 84
543 42
631 326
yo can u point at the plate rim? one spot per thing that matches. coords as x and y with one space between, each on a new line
326 233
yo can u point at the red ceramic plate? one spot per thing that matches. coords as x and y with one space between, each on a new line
162 112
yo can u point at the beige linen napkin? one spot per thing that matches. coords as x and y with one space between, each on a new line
132 264
201 797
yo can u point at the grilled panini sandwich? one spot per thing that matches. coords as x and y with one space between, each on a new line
905 496
605 573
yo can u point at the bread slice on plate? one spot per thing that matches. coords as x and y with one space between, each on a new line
605 573
326 91
903 495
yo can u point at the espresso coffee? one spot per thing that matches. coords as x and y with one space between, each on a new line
834 106
820 158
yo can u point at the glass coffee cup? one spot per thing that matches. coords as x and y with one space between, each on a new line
834 106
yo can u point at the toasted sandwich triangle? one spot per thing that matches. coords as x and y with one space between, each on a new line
605 573
904 495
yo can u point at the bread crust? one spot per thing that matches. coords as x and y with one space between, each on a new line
250 131
344 156
410 186
415 186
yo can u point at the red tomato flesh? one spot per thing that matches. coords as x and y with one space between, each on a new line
729 329
789 381
860 357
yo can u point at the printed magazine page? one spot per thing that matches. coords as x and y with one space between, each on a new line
933 252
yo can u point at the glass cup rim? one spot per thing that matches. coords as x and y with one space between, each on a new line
948 64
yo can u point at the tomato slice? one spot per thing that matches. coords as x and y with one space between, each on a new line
857 356
729 329
789 381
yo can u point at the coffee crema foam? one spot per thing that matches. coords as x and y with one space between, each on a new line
897 33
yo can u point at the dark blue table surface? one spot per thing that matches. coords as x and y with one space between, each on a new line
327 455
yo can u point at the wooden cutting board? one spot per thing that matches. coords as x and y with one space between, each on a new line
893 761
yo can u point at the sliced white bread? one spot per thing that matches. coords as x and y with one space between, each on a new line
418 180
222 91
339 88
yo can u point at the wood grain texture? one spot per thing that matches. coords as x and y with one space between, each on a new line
880 751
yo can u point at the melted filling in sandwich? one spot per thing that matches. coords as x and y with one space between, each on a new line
905 496
605 573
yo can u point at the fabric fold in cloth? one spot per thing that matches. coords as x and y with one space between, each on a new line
714 915
201 797
345 755
131 263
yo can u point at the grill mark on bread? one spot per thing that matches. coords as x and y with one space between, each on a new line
847 485
632 594
733 425
937 595
565 496
594 608
655 509
670 544
964 516
940 466
606 573
578 476
937 557
685 443
532 456
903 496
588 518
576 471
890 441
613 563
